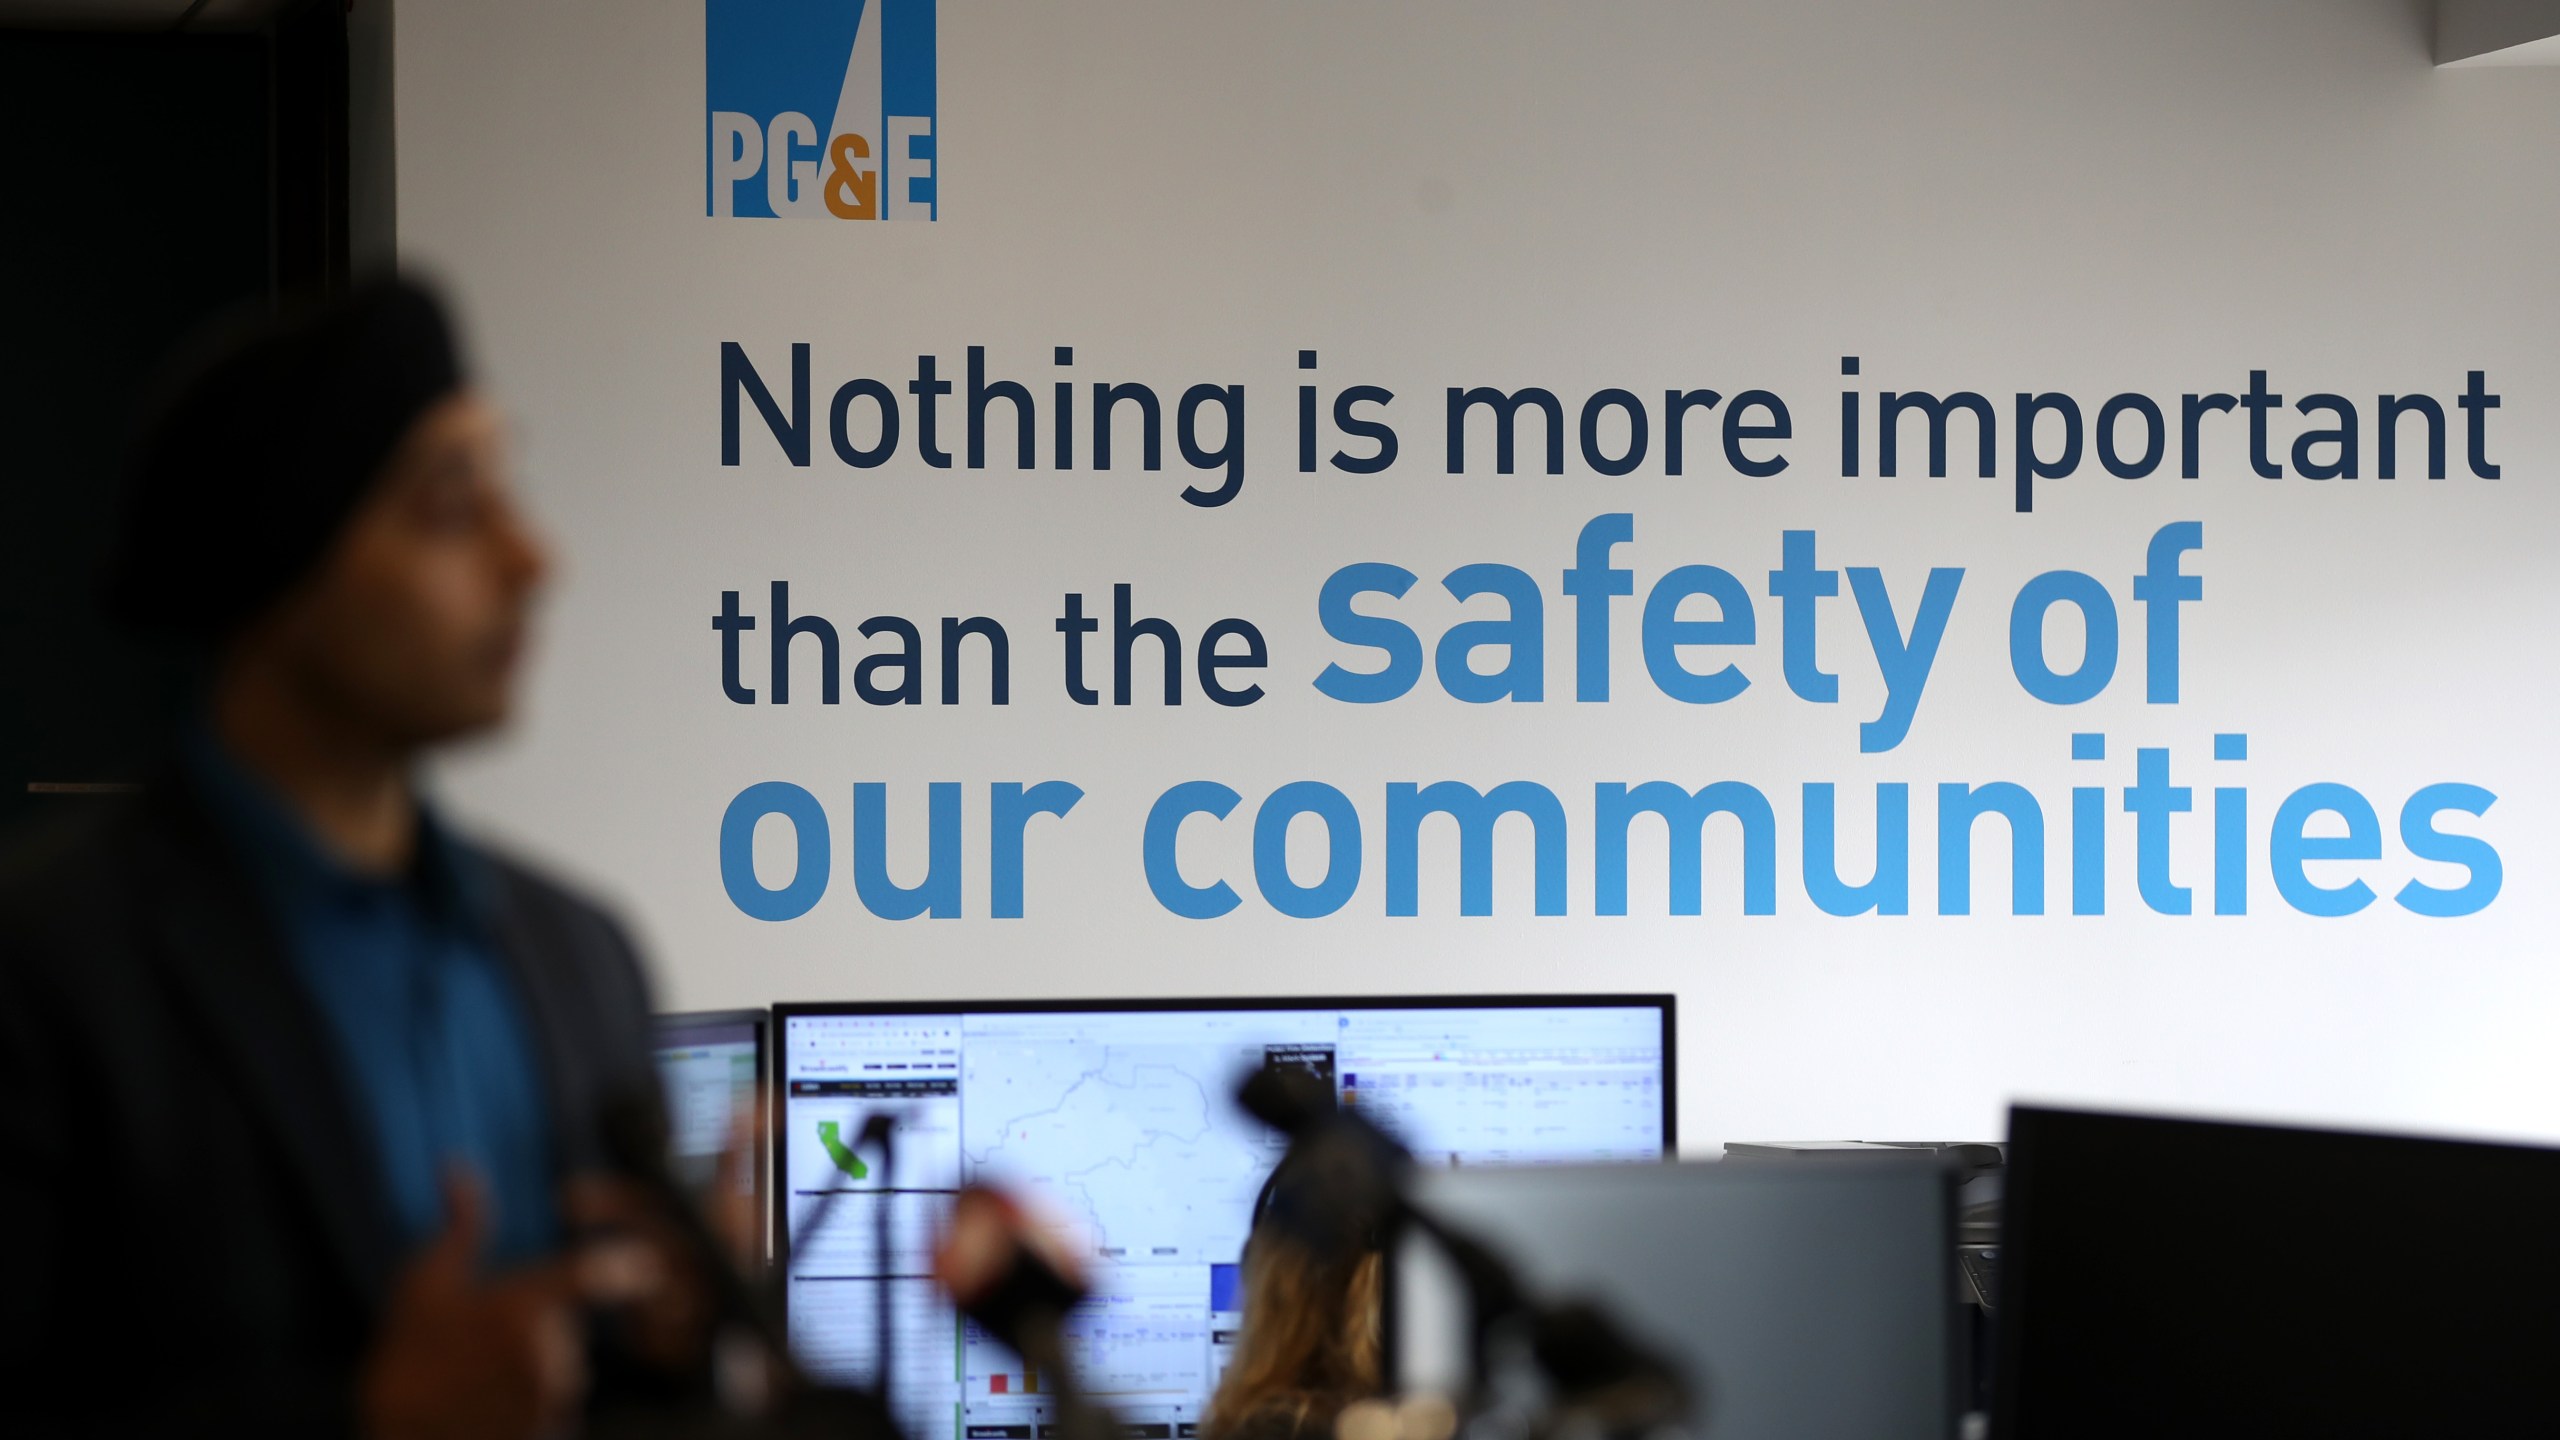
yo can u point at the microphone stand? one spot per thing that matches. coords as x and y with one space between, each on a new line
1019 1290
880 1127
1041 1341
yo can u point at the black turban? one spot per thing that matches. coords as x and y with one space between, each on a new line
260 451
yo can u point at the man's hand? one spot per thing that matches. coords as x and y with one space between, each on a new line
662 1290
469 1357
637 1266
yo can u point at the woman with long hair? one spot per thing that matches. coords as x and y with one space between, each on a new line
1309 1345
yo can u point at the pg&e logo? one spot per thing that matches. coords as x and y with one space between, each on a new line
821 109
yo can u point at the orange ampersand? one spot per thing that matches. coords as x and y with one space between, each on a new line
853 192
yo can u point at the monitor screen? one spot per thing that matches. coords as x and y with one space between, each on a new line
709 1065
2188 1277
1118 1120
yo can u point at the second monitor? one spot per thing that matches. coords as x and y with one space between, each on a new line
1119 1118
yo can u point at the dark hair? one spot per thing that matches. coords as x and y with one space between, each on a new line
262 444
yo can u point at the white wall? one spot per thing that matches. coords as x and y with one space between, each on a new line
2153 195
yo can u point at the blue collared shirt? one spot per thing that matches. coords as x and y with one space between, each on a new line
425 1014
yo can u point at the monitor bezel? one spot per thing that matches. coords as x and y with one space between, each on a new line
758 1016
778 1220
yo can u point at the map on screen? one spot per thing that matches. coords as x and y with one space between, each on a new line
1120 1127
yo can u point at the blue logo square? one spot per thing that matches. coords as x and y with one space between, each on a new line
821 110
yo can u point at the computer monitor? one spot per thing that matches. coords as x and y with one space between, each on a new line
711 1064
1801 1302
1119 1119
2193 1278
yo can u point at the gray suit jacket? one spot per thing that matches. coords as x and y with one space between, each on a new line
194 1227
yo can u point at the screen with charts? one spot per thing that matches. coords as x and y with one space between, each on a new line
1120 1125
709 1065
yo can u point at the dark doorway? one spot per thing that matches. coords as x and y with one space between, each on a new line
159 180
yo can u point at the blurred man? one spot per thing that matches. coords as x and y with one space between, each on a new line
298 1088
